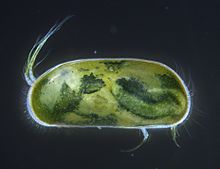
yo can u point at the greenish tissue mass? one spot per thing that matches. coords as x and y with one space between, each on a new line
168 81
135 88
133 96
90 84
94 119
67 101
109 93
113 65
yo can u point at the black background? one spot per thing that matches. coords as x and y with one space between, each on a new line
184 35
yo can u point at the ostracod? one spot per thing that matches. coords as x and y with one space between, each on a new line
127 93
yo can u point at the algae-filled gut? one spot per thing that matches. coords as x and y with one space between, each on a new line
109 92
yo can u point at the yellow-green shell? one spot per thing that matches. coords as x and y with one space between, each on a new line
109 92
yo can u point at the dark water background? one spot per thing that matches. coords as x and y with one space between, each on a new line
185 35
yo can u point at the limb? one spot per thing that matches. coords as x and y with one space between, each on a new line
145 137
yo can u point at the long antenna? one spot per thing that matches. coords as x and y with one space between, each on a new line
28 68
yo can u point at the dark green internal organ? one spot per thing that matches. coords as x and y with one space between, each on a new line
109 93
90 84
131 92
